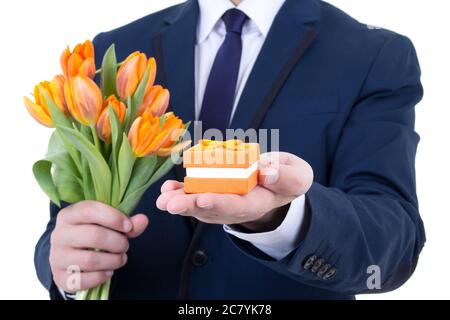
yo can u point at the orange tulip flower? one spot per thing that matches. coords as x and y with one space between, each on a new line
39 109
103 123
84 99
132 71
81 61
156 101
147 136
167 152
176 128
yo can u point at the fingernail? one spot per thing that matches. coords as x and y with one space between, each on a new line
205 206
179 211
127 226
176 210
270 175
109 273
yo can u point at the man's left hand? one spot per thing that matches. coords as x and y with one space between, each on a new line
283 177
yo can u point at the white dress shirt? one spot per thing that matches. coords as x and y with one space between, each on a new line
211 33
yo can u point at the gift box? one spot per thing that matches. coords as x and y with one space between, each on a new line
226 167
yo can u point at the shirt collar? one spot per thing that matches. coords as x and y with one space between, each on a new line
261 12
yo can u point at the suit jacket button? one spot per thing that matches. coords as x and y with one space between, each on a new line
330 274
309 262
323 270
199 258
317 265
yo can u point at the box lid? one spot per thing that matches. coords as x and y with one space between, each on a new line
221 154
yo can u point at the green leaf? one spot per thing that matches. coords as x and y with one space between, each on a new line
58 117
87 182
142 172
129 115
61 120
132 200
100 172
165 167
125 165
116 141
58 155
42 172
138 97
68 186
109 72
65 174
86 132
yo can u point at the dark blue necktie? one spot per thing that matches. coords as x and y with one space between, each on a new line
220 91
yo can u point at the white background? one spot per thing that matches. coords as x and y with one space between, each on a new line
32 35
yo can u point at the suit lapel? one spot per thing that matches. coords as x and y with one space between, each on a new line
289 38
175 51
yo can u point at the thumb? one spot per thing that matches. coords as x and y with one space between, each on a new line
293 178
140 223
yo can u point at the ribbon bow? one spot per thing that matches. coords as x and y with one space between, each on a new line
230 144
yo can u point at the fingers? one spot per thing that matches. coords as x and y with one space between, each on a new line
92 212
282 178
163 199
86 260
171 185
218 208
222 203
140 223
285 174
72 282
94 237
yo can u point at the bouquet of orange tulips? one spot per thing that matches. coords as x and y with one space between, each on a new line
111 141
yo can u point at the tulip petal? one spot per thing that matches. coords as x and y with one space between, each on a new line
64 60
160 103
87 68
152 73
167 152
74 64
149 96
133 134
68 97
39 113
88 49
86 100
127 78
57 93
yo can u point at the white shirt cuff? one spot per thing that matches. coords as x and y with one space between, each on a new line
283 240
65 295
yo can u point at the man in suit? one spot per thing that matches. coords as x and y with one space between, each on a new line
342 95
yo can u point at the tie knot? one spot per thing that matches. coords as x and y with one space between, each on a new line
234 20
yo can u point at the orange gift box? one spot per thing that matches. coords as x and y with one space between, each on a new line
226 167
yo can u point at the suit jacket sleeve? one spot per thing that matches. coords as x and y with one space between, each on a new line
42 256
368 214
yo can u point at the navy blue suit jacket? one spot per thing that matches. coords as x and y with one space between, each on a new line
343 96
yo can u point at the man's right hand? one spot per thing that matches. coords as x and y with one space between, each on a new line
93 238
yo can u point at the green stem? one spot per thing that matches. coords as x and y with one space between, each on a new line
100 70
107 150
104 292
82 295
95 293
96 140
